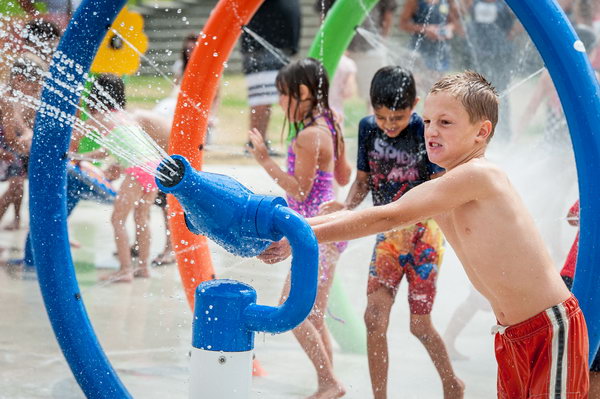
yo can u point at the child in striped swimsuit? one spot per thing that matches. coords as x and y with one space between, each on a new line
316 157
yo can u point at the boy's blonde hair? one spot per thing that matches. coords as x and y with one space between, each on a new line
476 94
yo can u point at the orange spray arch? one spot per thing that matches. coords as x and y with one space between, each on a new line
198 88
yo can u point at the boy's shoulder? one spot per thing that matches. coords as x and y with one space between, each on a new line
367 123
479 172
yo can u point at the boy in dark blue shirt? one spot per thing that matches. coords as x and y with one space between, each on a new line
392 159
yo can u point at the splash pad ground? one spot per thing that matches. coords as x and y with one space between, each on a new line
145 327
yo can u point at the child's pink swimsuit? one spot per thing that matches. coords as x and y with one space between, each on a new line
321 191
126 138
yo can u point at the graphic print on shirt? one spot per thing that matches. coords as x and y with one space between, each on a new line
394 164
393 170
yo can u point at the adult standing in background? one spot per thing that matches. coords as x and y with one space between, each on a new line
580 12
491 30
432 24
278 22
368 57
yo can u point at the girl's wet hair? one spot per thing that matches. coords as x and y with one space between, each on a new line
393 87
310 73
108 93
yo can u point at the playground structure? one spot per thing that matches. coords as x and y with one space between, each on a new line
544 21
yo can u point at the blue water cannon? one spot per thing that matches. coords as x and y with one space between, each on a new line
221 208
226 314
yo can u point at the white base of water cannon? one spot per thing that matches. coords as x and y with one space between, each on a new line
220 375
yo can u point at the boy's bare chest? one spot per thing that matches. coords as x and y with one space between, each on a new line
460 225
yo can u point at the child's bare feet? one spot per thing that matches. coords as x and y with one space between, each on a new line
141 272
120 276
332 390
14 225
454 389
163 259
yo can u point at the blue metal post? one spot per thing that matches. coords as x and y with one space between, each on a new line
579 94
48 181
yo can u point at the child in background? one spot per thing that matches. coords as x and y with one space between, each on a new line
138 190
18 113
541 341
391 161
460 318
431 24
568 273
556 132
316 157
18 104
343 86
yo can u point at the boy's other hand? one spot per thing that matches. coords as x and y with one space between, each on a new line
276 252
257 146
330 207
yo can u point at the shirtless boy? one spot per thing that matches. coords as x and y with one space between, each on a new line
541 340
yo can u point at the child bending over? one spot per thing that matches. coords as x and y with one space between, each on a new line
138 190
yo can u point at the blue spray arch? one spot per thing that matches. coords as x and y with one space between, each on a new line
544 21
577 87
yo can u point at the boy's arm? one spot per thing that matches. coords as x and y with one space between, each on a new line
358 191
454 22
464 184
300 183
460 186
342 170
154 125
406 23
11 123
100 153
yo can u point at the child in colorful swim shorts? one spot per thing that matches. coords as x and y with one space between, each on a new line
391 161
568 274
541 341
316 157
138 191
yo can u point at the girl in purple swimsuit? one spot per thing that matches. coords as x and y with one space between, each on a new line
316 157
